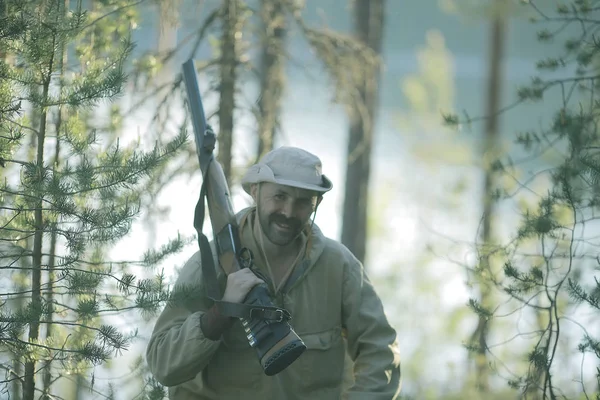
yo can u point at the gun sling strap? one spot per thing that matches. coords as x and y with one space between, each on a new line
237 310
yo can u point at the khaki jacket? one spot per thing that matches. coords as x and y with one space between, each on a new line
351 348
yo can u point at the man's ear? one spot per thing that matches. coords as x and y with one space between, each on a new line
254 192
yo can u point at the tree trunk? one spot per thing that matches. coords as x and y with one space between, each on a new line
21 286
36 268
168 24
493 95
368 26
47 382
228 63
18 304
272 74
3 14
538 375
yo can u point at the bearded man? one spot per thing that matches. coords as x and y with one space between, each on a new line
351 349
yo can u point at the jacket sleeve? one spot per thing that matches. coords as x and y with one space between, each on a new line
371 340
178 349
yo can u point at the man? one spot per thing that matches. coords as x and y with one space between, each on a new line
351 349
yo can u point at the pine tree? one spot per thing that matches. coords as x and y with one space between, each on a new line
550 261
63 208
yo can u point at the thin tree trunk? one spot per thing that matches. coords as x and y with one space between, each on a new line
229 49
18 304
539 375
272 74
167 39
53 238
50 301
495 78
368 25
18 362
3 14
36 270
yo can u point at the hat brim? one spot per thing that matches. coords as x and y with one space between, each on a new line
252 176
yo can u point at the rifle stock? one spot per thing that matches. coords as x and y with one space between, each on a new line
222 218
266 326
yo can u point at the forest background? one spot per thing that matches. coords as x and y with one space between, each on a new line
461 137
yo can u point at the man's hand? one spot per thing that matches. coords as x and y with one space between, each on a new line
239 283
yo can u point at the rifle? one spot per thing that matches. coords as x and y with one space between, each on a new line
267 327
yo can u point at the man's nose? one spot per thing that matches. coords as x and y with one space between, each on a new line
287 209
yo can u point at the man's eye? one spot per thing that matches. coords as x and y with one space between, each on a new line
305 203
279 197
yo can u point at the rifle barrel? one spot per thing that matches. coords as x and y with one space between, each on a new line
196 108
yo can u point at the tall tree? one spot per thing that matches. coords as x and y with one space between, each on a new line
271 73
168 24
55 162
368 28
490 145
232 17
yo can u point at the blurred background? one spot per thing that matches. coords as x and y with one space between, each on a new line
460 135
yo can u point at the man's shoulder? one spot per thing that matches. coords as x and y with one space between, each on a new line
191 271
334 245
337 250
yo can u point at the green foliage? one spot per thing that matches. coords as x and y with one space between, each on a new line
579 294
479 309
549 261
432 88
70 189
156 391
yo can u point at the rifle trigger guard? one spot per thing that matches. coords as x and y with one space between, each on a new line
246 258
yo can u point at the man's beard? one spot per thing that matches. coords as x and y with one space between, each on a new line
279 229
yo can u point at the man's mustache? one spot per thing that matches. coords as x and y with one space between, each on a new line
293 223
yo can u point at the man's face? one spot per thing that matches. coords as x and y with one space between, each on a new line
283 211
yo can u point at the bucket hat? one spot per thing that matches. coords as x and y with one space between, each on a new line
288 166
